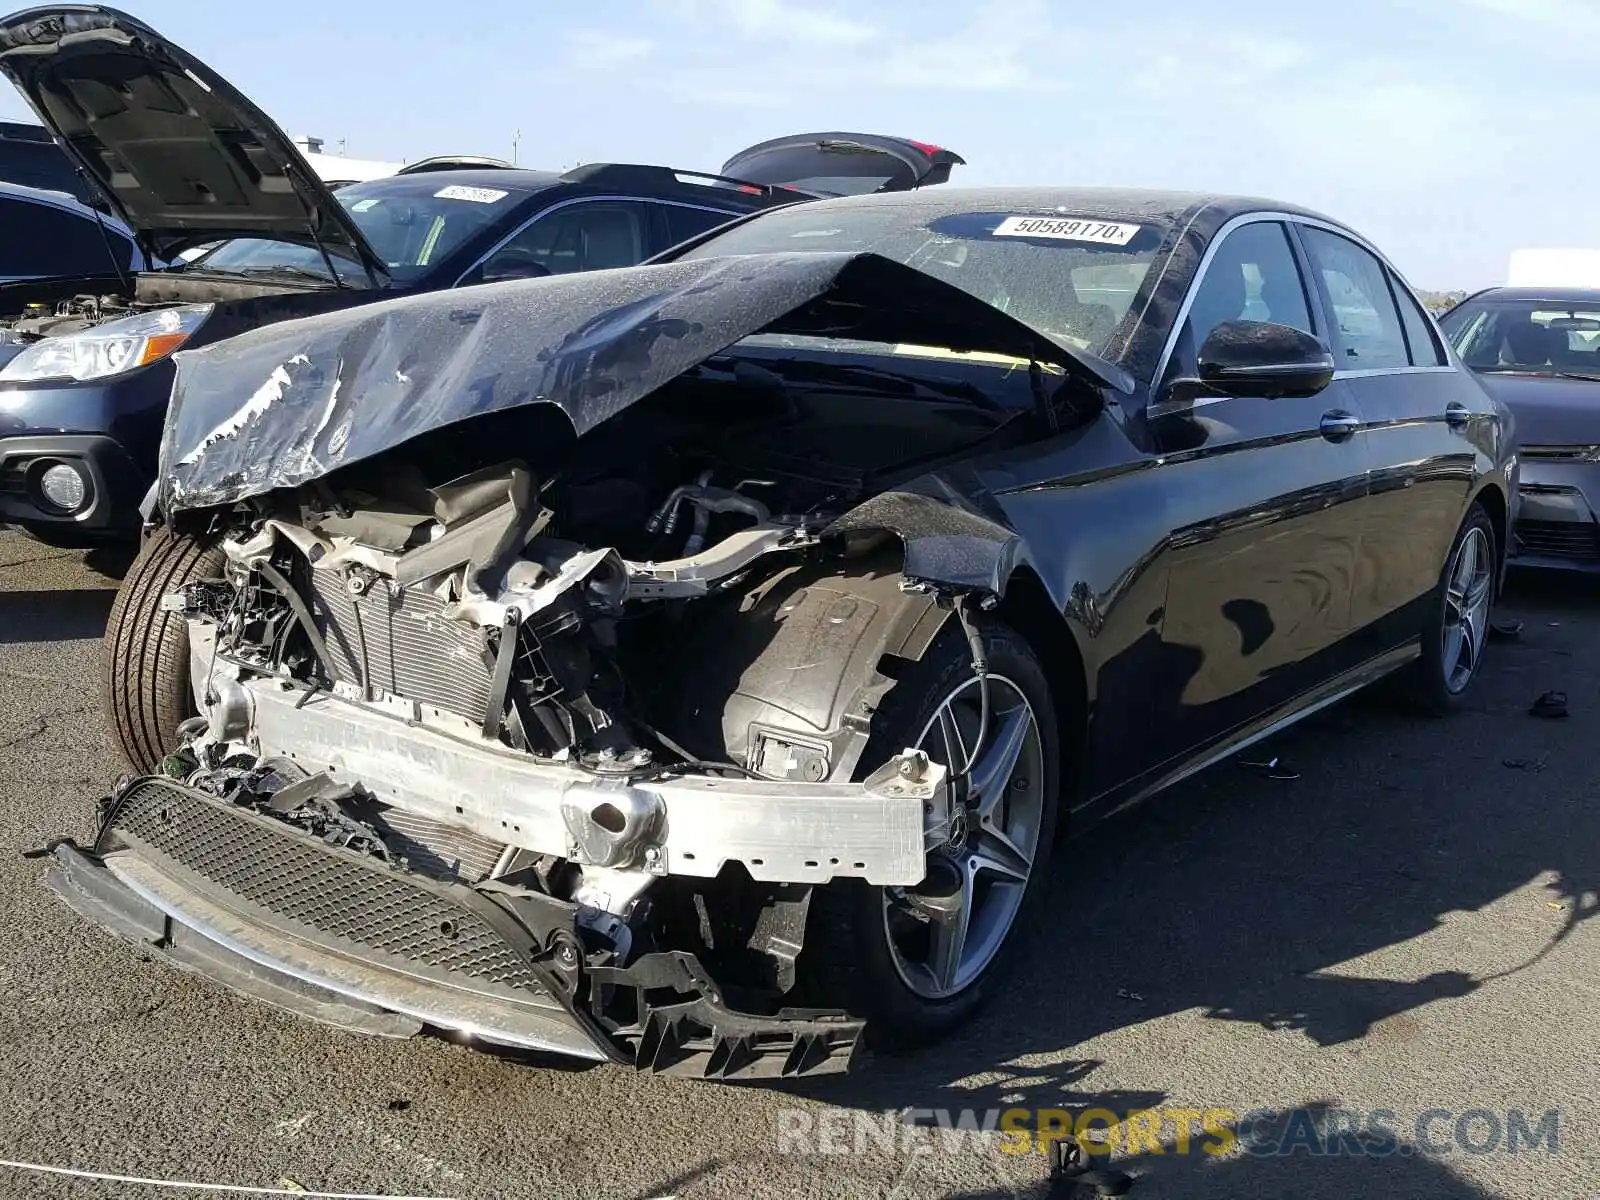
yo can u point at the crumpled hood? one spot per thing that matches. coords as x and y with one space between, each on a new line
282 405
1549 410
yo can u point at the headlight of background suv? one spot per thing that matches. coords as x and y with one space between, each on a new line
112 348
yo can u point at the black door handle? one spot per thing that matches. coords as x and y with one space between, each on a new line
1456 414
1338 425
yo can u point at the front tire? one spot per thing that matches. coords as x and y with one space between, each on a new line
1457 629
916 962
146 666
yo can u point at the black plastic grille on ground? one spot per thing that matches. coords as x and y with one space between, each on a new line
331 891
411 648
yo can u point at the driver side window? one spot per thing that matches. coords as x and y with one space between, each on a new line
588 236
1252 277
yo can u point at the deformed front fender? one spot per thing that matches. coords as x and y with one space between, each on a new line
949 545
147 506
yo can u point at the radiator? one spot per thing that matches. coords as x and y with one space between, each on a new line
407 644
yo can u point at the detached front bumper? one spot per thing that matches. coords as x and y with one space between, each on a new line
341 938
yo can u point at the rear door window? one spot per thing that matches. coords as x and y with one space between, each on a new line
1366 322
590 235
42 241
1420 339
682 222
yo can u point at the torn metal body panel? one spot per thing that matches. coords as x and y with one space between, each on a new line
947 544
278 407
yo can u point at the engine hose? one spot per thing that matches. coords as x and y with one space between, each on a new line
980 668
702 522
303 614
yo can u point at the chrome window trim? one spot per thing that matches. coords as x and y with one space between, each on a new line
561 204
1155 287
1206 259
1166 408
1369 372
1252 218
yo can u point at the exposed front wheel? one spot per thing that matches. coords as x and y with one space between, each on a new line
915 961
1457 630
147 693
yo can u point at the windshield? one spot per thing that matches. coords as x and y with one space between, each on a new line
1072 278
1529 337
412 223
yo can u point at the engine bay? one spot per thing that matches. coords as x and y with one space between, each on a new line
556 579
604 608
36 310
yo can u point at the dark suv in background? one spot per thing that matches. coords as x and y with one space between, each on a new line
187 160
30 157
52 221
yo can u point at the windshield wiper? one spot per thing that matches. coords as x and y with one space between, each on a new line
287 271
1551 372
908 384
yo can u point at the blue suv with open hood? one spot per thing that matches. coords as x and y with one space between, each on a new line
185 160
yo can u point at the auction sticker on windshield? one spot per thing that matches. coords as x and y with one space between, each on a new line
1068 229
477 195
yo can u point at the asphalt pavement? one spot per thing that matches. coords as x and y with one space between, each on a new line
1391 918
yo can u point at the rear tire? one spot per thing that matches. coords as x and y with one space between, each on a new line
863 942
1457 629
146 664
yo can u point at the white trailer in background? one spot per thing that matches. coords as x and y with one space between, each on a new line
336 168
1554 268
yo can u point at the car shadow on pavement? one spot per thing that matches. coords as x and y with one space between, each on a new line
62 615
1242 894
111 561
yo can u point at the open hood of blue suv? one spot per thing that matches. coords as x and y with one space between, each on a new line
182 155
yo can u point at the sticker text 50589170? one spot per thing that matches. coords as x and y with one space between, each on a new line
1068 229
478 195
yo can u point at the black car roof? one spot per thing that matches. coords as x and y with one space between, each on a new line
1209 211
1556 295
624 180
491 177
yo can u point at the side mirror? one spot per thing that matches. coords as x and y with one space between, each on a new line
1261 359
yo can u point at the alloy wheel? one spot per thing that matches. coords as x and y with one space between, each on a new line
1469 588
945 932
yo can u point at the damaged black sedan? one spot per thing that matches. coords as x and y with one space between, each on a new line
694 665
